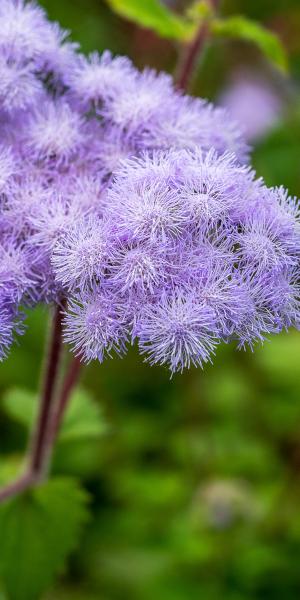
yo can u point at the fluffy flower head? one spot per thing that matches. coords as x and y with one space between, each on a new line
133 203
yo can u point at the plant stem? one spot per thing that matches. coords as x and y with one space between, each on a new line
191 53
37 450
17 487
36 453
39 461
189 57
70 381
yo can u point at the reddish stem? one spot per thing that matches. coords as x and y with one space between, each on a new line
17 487
70 381
44 443
191 53
36 452
190 56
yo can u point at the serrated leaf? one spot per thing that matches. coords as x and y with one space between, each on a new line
152 14
83 418
37 531
245 29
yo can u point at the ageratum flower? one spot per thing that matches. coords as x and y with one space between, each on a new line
10 323
98 79
94 326
179 331
217 254
134 204
80 255
6 329
54 133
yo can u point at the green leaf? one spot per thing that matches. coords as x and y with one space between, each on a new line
83 418
251 31
10 467
20 405
152 14
37 531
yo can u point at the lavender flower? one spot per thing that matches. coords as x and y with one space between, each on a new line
138 270
50 221
16 277
19 87
7 167
178 331
25 30
54 133
6 330
133 203
217 252
80 256
98 79
193 122
10 323
94 327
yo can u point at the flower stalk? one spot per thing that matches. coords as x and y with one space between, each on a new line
37 448
190 55
69 383
50 415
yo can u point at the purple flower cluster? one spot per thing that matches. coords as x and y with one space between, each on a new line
134 203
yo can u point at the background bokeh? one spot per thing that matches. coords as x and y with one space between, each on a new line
195 481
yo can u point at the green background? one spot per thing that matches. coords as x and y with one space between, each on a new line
195 481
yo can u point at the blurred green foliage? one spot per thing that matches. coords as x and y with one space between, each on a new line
38 530
241 28
155 16
194 482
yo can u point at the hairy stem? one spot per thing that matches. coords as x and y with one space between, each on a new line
190 55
